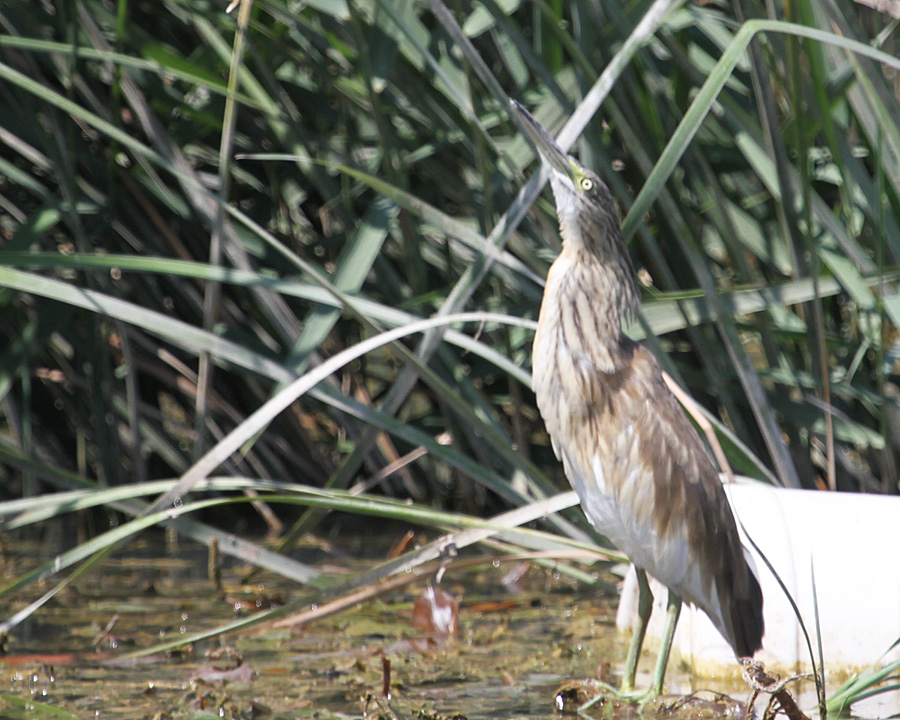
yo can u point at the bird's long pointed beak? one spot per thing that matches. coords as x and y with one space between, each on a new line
542 140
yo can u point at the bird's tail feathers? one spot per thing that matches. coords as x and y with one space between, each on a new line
747 623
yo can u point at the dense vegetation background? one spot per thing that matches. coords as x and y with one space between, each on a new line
192 218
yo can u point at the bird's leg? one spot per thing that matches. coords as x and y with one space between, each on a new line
673 610
626 690
645 606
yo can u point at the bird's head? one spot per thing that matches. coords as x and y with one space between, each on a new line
584 205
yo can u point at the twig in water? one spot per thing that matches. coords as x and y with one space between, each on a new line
760 681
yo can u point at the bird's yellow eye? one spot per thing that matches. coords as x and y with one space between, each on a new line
587 184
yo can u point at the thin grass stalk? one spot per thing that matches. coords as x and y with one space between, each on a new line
132 393
801 51
880 378
213 290
29 482
116 104
820 687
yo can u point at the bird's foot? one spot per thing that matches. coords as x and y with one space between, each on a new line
637 696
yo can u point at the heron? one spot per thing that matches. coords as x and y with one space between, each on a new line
646 480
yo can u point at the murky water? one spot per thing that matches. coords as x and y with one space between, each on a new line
518 642
514 647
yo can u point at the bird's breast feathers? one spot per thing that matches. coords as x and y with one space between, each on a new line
607 430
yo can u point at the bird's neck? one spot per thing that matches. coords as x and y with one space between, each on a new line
597 247
596 295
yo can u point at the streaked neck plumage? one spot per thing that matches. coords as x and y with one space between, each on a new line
592 283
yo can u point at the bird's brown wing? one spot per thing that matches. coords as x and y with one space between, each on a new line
691 505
